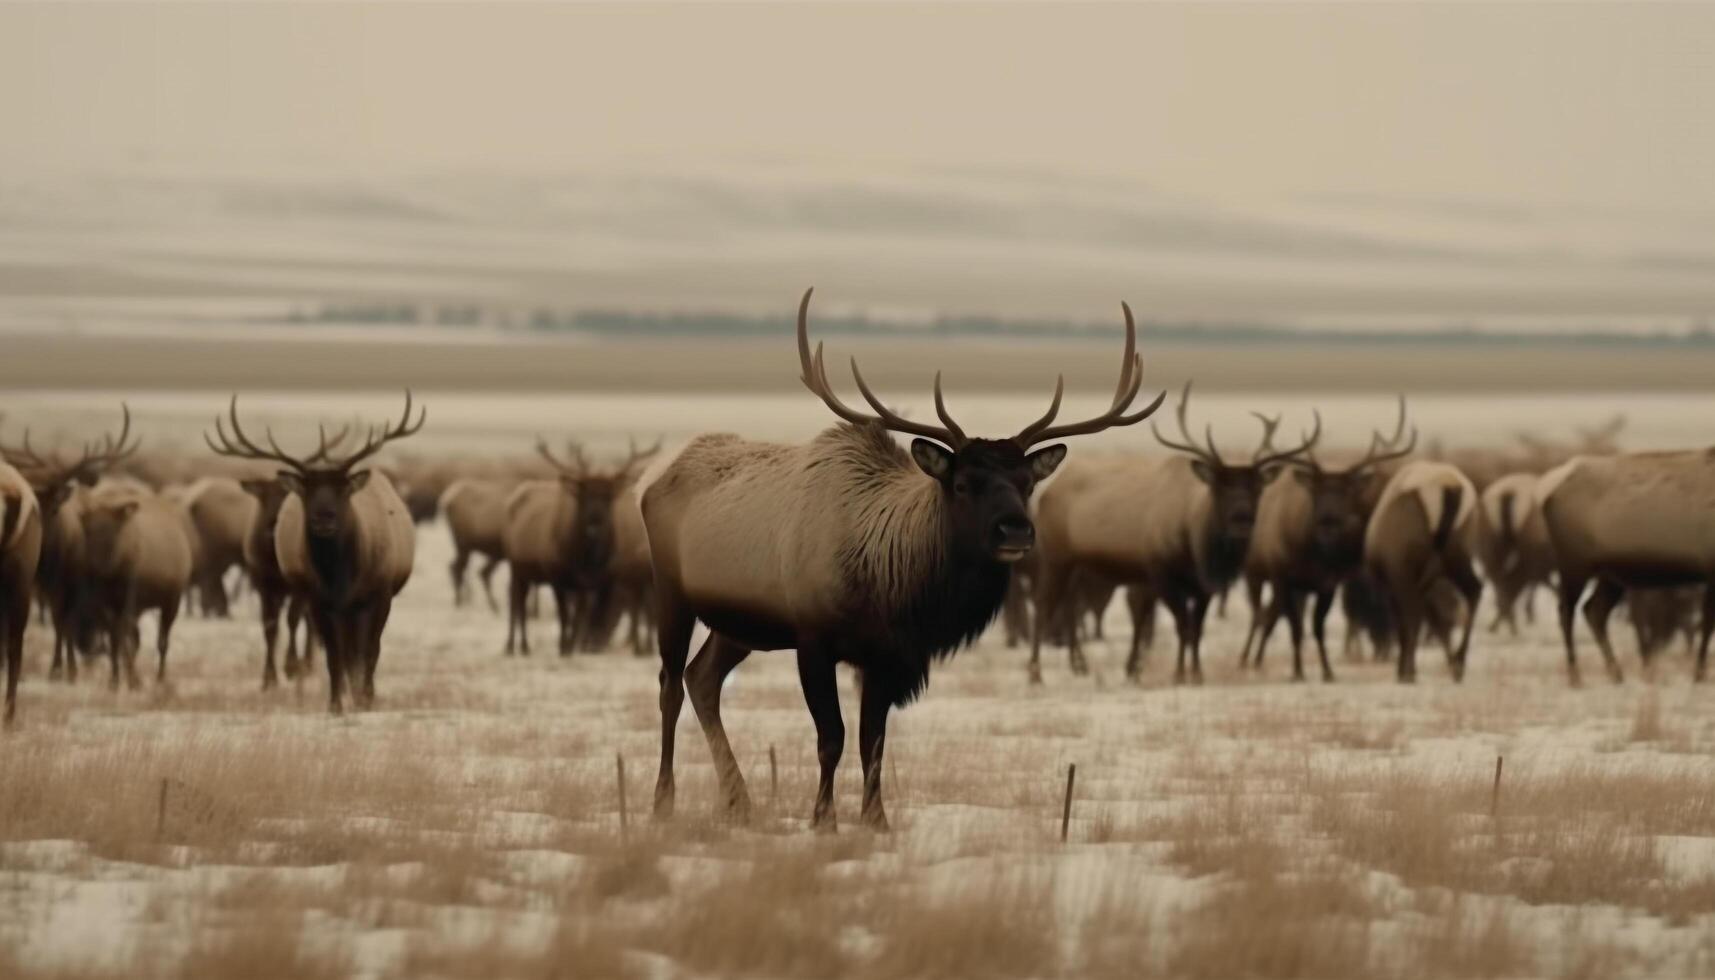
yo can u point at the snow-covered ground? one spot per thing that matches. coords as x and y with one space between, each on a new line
471 824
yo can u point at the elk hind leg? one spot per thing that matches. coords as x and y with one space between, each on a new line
703 680
271 602
163 635
1319 623
1705 627
1470 587
460 562
489 564
1596 611
1571 590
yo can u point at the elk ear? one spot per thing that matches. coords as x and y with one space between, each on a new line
256 488
126 509
932 459
1303 475
52 498
1268 473
357 481
1044 462
291 481
1203 471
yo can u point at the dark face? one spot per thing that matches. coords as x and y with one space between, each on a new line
327 498
592 535
51 497
1339 509
1233 493
988 486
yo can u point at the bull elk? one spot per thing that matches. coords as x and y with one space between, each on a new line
1176 528
1309 541
560 533
62 573
20 550
261 561
847 549
344 539
1625 522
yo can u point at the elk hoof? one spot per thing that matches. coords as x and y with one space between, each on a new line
1298 677
663 803
1327 677
1035 675
56 672
270 681
875 818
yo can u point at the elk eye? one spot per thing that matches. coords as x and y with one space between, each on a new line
961 486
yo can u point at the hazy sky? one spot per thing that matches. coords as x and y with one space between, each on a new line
1570 104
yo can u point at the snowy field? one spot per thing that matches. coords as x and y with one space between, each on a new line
471 825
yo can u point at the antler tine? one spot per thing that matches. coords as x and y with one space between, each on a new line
940 409
1125 392
27 455
1269 427
240 446
324 445
372 443
1302 449
1189 445
1384 450
548 454
815 378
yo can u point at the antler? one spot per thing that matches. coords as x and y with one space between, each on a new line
1212 455
93 457
373 442
1387 450
238 445
815 378
576 468
1269 426
1265 457
634 457
1131 379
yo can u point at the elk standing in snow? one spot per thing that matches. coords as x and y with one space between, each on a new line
1419 535
560 533
140 559
846 549
344 539
1631 521
62 573
1513 545
475 510
1309 540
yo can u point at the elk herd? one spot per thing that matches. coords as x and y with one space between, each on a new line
853 548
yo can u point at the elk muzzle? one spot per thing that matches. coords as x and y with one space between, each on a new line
1012 538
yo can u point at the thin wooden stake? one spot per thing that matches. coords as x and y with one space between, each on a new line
1495 797
161 813
1066 813
619 761
773 777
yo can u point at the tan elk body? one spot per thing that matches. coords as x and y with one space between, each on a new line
847 548
1630 521
1423 531
475 512
140 559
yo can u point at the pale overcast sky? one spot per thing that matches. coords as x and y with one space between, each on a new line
1564 104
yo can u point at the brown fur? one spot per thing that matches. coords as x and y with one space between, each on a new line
140 559
1423 530
1630 521
475 512
20 551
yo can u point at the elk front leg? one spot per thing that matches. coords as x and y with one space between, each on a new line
456 570
1571 589
872 740
1324 603
822 697
674 640
489 564
271 602
1596 610
335 645
703 680
1295 627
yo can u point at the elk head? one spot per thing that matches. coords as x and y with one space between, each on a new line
1234 488
986 483
104 519
1341 500
53 480
593 492
270 492
324 481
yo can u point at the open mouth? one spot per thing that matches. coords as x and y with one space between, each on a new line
1011 552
